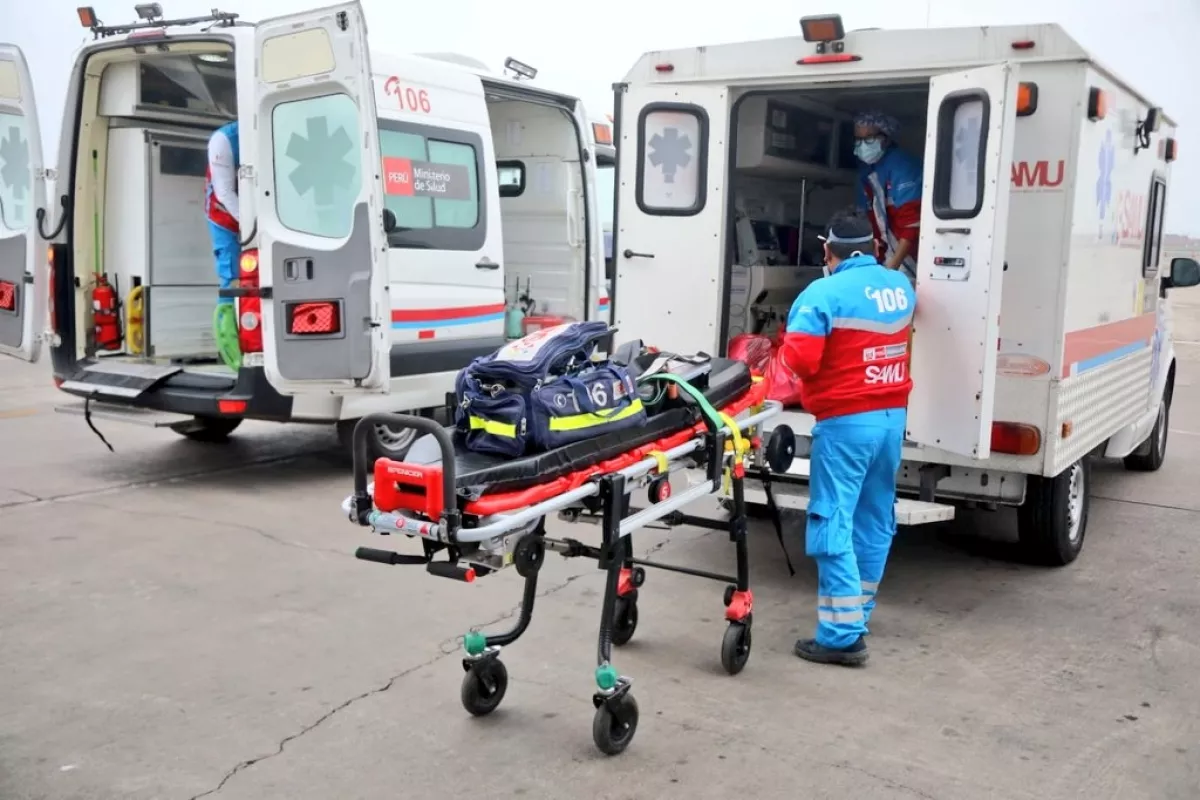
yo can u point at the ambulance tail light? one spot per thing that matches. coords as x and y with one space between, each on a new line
664 67
829 58
320 318
1023 44
1097 104
1016 438
1168 149
51 310
249 309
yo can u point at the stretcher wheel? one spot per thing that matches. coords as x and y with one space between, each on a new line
625 619
483 687
529 554
781 449
735 647
613 728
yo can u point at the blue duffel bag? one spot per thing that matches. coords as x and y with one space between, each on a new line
544 391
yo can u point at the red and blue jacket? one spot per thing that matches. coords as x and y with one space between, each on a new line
899 176
847 339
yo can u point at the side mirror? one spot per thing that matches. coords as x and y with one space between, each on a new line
1184 272
389 221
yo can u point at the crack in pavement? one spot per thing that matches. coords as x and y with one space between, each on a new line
446 648
226 524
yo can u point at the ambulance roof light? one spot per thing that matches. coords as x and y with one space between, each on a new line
149 11
823 28
87 16
520 71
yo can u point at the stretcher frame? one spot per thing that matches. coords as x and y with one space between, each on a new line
603 496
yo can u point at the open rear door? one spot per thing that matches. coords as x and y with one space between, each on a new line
668 254
22 193
319 195
964 221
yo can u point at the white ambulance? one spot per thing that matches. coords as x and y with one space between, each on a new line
394 208
1042 331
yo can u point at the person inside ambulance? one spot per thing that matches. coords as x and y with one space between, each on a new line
889 190
221 208
847 341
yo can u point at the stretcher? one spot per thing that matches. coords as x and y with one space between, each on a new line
487 514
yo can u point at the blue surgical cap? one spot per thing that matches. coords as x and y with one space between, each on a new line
888 125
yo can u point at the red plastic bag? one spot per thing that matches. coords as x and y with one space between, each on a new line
752 349
764 357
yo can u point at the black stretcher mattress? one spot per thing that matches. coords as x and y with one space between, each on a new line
479 473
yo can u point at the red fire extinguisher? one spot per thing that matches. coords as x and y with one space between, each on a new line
104 315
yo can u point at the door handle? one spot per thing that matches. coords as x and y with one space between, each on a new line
487 263
630 254
960 231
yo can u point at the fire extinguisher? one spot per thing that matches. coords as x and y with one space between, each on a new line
104 315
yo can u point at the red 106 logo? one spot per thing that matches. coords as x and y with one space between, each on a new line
407 97
1131 216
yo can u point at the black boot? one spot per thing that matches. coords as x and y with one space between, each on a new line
852 656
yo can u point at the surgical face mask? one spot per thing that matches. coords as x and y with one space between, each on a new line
868 151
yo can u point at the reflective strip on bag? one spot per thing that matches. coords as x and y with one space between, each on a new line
505 429
575 422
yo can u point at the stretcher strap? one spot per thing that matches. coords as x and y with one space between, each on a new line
664 464
718 418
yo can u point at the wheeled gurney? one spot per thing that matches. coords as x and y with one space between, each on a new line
488 513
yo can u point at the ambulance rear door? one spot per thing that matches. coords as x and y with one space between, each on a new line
23 265
964 222
670 215
319 195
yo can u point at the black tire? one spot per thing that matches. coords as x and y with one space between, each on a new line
610 735
735 647
625 619
1156 452
483 687
211 430
384 442
1052 522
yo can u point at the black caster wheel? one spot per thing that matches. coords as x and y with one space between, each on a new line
625 619
735 647
781 449
529 554
638 576
483 687
613 731
729 590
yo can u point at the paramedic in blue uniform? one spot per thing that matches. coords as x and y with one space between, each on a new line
889 190
221 208
847 341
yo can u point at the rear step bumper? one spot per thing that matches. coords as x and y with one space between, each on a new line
171 390
794 497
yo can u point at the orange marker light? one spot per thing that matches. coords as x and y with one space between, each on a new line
823 28
602 133
1027 98
87 16
1097 104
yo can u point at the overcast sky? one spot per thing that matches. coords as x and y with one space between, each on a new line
1153 44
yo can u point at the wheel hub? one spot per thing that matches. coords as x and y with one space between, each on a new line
1160 439
1076 491
393 439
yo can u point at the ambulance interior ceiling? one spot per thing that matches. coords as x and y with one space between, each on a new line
538 170
795 161
148 115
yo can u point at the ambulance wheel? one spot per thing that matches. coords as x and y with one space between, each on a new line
483 687
1052 521
1155 444
208 429
384 441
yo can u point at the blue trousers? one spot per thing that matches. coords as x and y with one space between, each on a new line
852 517
226 250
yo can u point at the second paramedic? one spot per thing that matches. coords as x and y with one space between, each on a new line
221 208
847 341
889 190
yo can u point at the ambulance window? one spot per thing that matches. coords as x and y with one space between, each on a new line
510 175
16 192
434 184
672 159
318 167
960 168
1154 227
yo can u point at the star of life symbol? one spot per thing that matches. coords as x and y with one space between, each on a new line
669 150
